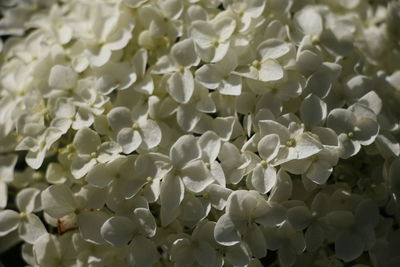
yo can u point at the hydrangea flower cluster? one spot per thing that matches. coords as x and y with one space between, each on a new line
200 132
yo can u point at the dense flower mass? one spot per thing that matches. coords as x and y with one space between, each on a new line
200 132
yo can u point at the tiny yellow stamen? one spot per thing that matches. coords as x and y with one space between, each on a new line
135 127
291 143
256 64
215 42
23 215
263 164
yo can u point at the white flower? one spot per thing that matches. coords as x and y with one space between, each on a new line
244 211
219 76
7 165
30 227
263 177
178 63
355 232
294 142
246 11
51 250
119 230
355 126
38 147
199 247
212 38
90 151
133 132
287 241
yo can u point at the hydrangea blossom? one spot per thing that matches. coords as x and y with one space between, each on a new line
200 133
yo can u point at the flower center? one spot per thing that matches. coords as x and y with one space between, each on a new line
263 164
215 42
23 215
149 180
350 134
291 143
135 127
256 64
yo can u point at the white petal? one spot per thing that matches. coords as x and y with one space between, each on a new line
314 237
306 145
9 221
90 223
224 27
297 166
223 126
273 48
117 231
139 61
320 82
144 251
184 150
3 195
57 200
188 117
62 77
372 101
81 165
210 145
7 165
309 21
256 241
205 254
208 76
268 147
151 133
191 209
145 221
196 176
183 52
349 246
231 86
283 188
286 257
263 179
99 176
270 71
119 117
299 217
172 192
108 151
273 127
273 215
31 229
35 159
26 199
238 255
225 232
181 86
366 132
367 214
218 195
319 172
201 32
86 141
313 110
348 146
129 140
218 173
